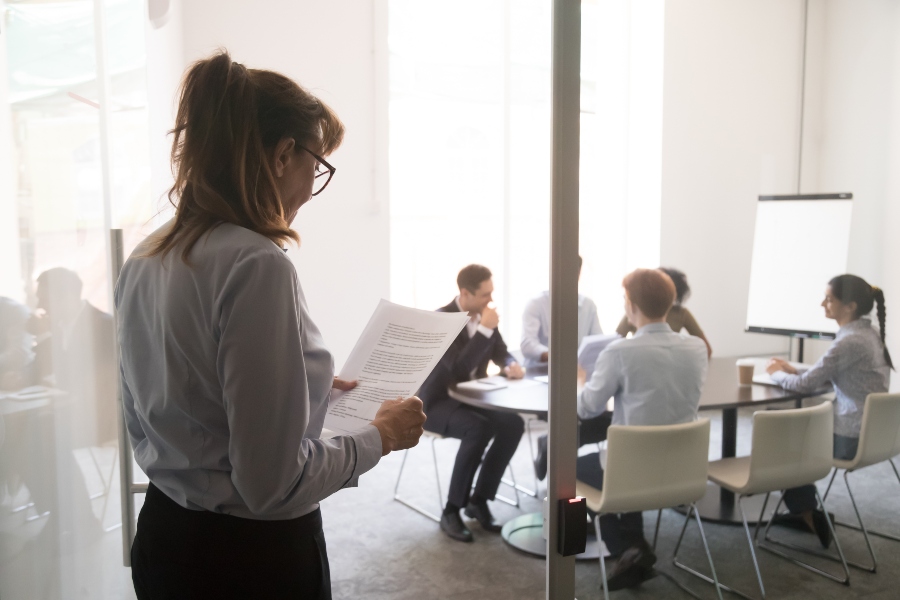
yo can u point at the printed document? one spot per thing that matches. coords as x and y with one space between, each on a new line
396 352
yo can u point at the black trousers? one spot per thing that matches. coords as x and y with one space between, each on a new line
181 553
475 428
619 531
803 498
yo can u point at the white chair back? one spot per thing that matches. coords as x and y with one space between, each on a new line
790 448
879 438
652 467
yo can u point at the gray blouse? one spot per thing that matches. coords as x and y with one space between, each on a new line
226 380
854 365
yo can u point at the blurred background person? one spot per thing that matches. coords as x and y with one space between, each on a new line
535 343
15 344
679 317
74 352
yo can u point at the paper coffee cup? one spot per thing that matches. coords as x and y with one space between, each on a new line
745 366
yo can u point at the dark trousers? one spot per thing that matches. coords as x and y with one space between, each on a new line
619 531
593 431
475 428
181 553
803 498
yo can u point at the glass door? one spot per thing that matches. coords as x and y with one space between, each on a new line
71 167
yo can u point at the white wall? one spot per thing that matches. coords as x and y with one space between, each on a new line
731 98
731 131
330 48
10 274
851 140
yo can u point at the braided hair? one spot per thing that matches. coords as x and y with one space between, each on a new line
850 288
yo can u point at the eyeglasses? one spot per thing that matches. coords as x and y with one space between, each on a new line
322 169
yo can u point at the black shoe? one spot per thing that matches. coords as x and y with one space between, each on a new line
453 526
540 463
481 513
791 521
812 522
820 524
633 566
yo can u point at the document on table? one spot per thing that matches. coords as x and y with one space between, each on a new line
590 349
396 352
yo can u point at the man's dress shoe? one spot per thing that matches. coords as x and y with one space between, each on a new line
481 513
452 525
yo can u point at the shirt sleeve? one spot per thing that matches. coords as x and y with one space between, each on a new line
839 358
531 346
260 365
625 327
604 383
595 328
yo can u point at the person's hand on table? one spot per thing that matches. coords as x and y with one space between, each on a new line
400 423
490 318
343 385
779 364
545 357
514 371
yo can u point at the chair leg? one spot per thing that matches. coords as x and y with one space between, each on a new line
532 454
602 562
830 481
112 472
712 566
511 482
862 527
715 579
868 532
656 531
762 544
740 499
407 503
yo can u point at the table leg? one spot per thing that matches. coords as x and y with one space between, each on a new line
718 505
729 448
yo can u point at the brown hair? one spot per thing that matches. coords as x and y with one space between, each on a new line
470 277
651 290
228 117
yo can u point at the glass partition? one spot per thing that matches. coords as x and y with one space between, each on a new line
60 520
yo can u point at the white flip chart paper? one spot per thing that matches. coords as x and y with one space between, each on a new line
396 352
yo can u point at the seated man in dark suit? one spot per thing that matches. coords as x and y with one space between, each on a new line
467 358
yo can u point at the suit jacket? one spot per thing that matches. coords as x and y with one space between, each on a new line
86 369
465 357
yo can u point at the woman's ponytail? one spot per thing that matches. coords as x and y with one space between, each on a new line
881 312
228 117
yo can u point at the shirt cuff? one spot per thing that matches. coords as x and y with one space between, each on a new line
779 376
368 452
485 331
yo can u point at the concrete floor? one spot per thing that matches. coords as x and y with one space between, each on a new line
379 549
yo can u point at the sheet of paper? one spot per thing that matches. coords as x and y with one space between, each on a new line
486 384
396 352
590 349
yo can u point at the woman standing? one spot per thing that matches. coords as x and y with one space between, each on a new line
856 364
225 377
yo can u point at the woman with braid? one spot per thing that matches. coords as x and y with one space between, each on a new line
857 364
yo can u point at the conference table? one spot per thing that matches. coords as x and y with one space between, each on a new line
722 392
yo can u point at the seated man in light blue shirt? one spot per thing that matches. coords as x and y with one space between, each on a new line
655 378
536 325
535 348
